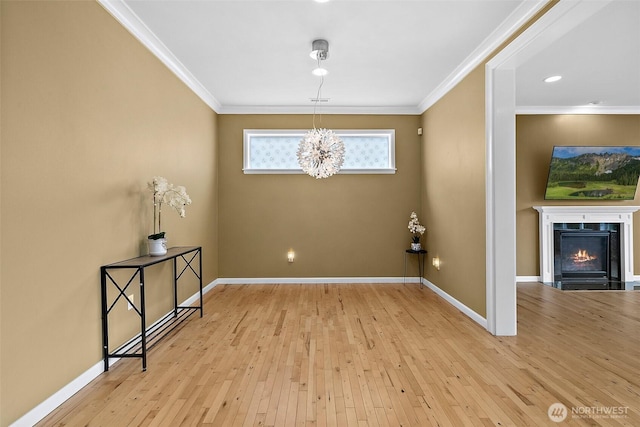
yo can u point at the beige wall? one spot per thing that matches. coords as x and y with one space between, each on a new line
535 138
344 226
88 117
453 191
453 185
1 127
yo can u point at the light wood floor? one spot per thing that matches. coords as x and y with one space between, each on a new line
376 355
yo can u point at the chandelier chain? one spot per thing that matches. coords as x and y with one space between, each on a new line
320 152
315 103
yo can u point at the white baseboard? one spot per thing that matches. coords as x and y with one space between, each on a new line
320 280
58 398
528 279
457 304
45 408
312 280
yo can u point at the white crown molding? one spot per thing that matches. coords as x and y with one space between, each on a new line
130 21
586 109
514 22
298 109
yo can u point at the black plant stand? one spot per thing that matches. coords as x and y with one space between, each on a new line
138 346
420 265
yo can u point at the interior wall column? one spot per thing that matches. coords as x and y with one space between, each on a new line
501 201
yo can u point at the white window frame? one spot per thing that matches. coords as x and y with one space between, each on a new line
249 134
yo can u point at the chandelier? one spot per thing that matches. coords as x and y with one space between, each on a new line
321 151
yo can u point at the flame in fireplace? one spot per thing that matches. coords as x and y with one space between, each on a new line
583 256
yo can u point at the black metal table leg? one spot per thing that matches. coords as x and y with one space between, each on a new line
200 277
105 325
143 326
175 287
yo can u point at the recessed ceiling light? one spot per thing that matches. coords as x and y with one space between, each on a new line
552 79
321 1
319 72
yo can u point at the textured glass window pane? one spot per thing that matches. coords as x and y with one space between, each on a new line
366 152
275 151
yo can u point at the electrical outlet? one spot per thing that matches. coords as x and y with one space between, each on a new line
129 306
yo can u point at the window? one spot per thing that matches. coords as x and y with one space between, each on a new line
274 151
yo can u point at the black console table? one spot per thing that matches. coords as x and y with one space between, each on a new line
138 346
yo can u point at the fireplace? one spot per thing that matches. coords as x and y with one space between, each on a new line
596 224
587 256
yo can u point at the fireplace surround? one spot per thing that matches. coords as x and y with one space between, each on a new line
614 221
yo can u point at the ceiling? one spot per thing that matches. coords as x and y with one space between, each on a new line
598 58
392 57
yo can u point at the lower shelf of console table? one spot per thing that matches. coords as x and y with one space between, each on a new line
138 346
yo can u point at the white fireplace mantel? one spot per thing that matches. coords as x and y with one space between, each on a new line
550 215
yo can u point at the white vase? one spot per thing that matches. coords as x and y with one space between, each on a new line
416 246
157 247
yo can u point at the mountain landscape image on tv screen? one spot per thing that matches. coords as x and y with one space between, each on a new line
602 173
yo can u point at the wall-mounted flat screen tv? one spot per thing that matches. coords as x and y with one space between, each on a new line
594 173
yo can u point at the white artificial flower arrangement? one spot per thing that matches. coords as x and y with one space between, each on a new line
165 193
415 228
